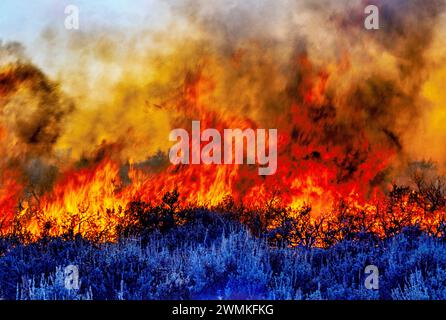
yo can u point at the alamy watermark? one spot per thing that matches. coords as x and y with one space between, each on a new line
371 21
371 281
72 17
71 274
226 148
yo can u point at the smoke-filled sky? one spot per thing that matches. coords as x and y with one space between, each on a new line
350 98
24 20
27 21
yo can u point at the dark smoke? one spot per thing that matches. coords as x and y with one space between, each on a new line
32 115
32 107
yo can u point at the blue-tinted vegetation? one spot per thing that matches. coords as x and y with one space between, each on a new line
217 258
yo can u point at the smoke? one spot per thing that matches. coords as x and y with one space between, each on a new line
32 108
32 115
376 80
348 102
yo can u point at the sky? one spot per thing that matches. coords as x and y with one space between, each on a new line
24 20
28 22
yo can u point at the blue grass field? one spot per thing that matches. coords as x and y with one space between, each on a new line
222 260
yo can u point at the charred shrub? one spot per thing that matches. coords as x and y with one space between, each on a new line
142 218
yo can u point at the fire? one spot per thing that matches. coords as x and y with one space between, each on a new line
312 170
87 199
78 152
